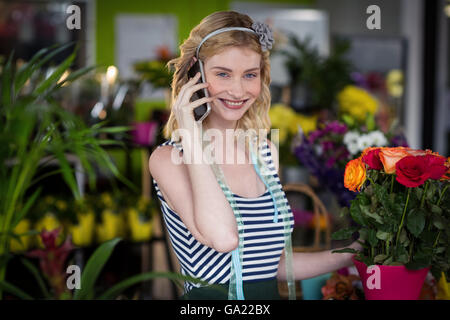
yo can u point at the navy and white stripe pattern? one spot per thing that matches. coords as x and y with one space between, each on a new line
263 239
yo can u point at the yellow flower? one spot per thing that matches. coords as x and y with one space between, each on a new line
49 222
83 232
307 123
22 227
443 288
140 230
49 200
356 102
110 226
143 204
107 200
61 205
287 121
281 116
394 83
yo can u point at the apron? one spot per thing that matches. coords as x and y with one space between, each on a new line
253 290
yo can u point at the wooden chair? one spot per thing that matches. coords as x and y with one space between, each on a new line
319 212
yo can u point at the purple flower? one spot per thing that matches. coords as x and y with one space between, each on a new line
327 145
330 162
336 127
359 80
315 135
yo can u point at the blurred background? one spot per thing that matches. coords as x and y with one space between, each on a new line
85 95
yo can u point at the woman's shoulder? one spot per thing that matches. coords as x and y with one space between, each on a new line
163 155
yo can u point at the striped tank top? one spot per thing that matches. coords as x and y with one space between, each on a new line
263 238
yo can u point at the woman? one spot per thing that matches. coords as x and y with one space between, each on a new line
230 237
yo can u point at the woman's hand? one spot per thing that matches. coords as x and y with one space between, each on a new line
183 109
356 245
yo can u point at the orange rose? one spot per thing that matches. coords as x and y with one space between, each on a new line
355 174
446 176
390 156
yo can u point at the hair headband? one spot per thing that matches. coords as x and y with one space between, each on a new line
261 29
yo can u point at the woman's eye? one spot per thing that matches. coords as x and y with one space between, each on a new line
222 74
251 75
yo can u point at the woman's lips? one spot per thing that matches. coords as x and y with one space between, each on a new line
230 104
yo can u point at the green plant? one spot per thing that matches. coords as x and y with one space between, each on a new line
35 130
403 212
323 76
155 71
90 275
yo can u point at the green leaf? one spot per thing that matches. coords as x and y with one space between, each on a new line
384 235
436 209
344 234
56 75
7 89
8 287
76 74
93 268
373 215
345 250
35 272
415 221
355 212
35 63
372 237
380 258
439 222
404 238
370 122
21 214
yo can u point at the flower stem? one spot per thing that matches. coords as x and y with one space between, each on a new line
403 217
392 183
442 194
424 193
437 238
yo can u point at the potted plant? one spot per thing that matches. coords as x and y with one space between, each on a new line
53 278
316 80
35 130
402 214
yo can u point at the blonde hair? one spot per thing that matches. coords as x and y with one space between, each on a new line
257 116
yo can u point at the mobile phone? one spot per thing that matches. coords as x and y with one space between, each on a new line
202 111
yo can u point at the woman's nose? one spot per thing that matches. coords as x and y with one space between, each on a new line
236 89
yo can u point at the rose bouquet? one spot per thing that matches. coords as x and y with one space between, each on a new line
402 209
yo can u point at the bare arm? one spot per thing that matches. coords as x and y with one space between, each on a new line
312 264
213 215
193 192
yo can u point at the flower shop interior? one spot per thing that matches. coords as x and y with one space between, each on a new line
85 94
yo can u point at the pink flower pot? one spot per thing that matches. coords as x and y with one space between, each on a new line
144 133
390 282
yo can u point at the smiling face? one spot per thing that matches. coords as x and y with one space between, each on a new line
234 77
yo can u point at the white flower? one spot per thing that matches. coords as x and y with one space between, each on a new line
378 139
351 137
318 150
353 148
364 142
